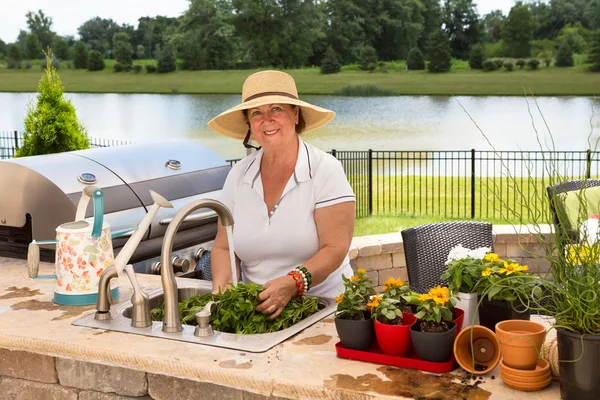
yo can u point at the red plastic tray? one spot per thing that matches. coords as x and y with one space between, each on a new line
375 355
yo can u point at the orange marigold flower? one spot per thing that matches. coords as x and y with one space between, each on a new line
375 301
339 298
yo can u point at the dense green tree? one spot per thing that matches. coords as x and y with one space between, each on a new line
206 37
51 125
13 52
432 21
594 55
439 51
95 61
592 14
476 57
518 31
540 11
166 59
344 29
80 55
415 59
98 33
21 42
564 57
33 48
41 25
368 58
153 31
60 48
140 52
493 25
3 48
394 27
122 49
462 26
330 63
576 36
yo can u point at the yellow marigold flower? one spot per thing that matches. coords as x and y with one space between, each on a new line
510 268
441 300
425 297
339 298
375 301
439 291
361 271
487 272
491 257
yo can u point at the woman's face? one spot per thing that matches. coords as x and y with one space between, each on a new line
273 124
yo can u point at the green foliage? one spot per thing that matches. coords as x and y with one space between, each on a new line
150 68
95 61
541 47
367 59
439 53
60 48
12 64
330 63
386 310
166 60
41 26
476 57
415 59
491 50
43 66
499 63
594 55
533 63
576 36
493 24
489 65
137 68
462 26
122 49
520 63
564 57
504 280
13 52
140 52
51 126
508 66
518 31
80 55
358 289
367 90
33 48
118 67
28 64
464 268
436 306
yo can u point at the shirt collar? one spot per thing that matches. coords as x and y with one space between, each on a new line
302 172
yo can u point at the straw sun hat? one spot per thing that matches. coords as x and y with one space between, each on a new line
268 87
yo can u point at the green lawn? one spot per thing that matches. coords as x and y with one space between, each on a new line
459 81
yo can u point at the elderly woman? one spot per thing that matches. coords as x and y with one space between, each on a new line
292 204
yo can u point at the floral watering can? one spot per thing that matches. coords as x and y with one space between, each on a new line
83 251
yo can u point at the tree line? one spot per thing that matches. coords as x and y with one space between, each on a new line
226 34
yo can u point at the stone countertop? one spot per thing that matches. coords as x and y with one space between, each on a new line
305 366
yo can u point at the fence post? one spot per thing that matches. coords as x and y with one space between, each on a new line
588 164
473 183
16 141
370 169
334 153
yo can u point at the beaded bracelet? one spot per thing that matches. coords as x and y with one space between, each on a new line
307 277
298 277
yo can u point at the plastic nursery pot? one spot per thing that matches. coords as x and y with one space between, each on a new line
579 365
521 342
354 334
494 311
459 320
395 339
433 346
477 349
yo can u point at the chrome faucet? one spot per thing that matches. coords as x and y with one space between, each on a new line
171 319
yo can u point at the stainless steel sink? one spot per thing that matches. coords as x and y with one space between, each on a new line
121 321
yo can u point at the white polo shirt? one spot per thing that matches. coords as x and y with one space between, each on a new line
271 243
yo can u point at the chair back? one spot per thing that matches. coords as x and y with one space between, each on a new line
426 248
567 186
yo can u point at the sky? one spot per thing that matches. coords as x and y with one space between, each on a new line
68 15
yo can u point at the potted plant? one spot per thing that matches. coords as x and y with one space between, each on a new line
434 333
463 273
352 320
392 319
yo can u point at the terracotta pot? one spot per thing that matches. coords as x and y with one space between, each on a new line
477 349
395 339
521 342
430 346
468 303
355 335
541 369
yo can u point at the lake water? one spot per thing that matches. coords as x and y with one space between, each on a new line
383 123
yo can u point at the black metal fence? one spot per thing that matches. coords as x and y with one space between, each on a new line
10 141
502 185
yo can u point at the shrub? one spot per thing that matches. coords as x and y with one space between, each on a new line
508 66
13 52
330 63
166 60
499 63
28 64
118 67
476 57
80 55
137 68
594 55
13 64
533 63
439 52
564 56
55 64
415 59
123 49
548 61
95 61
51 126
368 59
150 68
368 90
489 65
382 67
520 63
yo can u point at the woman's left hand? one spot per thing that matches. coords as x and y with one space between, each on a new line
278 292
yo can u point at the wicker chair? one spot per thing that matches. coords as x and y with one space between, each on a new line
426 248
563 187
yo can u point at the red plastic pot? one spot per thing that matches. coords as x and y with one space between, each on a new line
460 316
395 339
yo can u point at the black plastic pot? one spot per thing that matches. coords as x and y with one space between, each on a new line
578 379
492 312
436 347
356 335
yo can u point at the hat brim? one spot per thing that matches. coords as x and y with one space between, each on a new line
232 123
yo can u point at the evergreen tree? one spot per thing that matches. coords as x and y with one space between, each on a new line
51 126
33 48
439 53
14 53
518 31
123 49
166 60
415 59
477 57
95 61
60 48
368 58
80 55
564 57
330 63
594 55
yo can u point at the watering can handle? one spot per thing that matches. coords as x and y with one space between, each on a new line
98 196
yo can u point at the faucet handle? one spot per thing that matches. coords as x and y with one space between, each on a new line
203 320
